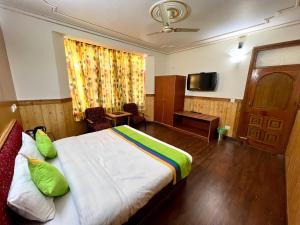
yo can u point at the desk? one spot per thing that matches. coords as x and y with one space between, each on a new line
114 116
197 124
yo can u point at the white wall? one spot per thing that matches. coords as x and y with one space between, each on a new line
216 58
149 79
36 55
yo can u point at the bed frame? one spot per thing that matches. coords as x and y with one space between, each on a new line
10 144
156 203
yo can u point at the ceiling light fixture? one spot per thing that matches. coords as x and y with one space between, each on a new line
167 12
176 10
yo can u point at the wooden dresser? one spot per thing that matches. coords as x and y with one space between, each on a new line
169 97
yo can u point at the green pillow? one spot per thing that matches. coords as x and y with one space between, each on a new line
45 145
47 178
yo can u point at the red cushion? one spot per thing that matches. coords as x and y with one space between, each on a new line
7 161
96 114
101 126
137 119
132 108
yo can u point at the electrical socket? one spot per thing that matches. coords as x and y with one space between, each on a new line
227 127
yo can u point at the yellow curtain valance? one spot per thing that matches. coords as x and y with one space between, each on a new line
104 77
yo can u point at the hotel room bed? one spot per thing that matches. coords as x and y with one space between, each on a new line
110 178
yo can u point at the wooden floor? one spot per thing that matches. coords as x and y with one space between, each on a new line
229 184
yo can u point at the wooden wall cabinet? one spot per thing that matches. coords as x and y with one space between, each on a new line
169 97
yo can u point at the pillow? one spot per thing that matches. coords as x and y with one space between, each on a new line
25 199
45 145
47 178
27 139
29 148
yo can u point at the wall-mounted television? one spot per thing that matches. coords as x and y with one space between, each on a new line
202 81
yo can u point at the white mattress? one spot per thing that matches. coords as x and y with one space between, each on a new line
65 213
65 210
112 194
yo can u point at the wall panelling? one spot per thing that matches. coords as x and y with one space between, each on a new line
55 114
227 111
292 170
149 107
221 107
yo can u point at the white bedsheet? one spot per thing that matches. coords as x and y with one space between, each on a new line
110 179
65 210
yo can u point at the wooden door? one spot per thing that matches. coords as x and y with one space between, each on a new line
272 101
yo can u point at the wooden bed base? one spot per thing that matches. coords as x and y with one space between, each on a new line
8 217
10 144
156 203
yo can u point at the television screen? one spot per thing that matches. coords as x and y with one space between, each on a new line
202 81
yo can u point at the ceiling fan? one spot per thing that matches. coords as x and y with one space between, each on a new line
167 11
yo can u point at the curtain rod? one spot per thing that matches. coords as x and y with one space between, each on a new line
103 45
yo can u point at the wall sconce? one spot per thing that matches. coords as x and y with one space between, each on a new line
240 53
13 108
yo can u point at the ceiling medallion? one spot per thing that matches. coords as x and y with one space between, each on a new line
177 10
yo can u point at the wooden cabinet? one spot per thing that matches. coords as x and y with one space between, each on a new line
169 97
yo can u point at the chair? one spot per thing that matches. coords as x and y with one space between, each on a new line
96 120
136 118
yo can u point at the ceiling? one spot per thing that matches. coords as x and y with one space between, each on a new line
129 20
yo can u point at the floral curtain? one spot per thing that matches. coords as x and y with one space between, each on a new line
104 77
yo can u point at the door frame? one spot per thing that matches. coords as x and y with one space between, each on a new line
242 126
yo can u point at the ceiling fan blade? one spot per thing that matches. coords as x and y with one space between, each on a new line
185 30
164 15
154 33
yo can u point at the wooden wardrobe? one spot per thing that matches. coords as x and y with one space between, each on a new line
169 97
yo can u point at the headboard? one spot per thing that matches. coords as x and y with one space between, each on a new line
10 144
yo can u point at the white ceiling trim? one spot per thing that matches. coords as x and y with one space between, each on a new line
207 41
55 10
234 35
73 26
143 44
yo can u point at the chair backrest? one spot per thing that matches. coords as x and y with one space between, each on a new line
131 107
95 114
